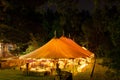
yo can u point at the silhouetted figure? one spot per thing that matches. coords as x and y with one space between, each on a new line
27 68
69 76
58 70
0 65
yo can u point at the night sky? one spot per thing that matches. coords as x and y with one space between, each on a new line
86 5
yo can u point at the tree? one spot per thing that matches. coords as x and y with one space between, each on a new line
110 20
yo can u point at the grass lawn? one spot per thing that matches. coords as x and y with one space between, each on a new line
99 74
10 74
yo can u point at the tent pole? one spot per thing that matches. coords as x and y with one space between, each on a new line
91 75
63 33
55 34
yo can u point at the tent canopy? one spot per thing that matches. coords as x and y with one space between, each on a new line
74 45
59 48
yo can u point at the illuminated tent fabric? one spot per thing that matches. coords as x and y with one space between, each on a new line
56 48
74 45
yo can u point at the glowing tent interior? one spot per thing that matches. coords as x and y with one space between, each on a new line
59 48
